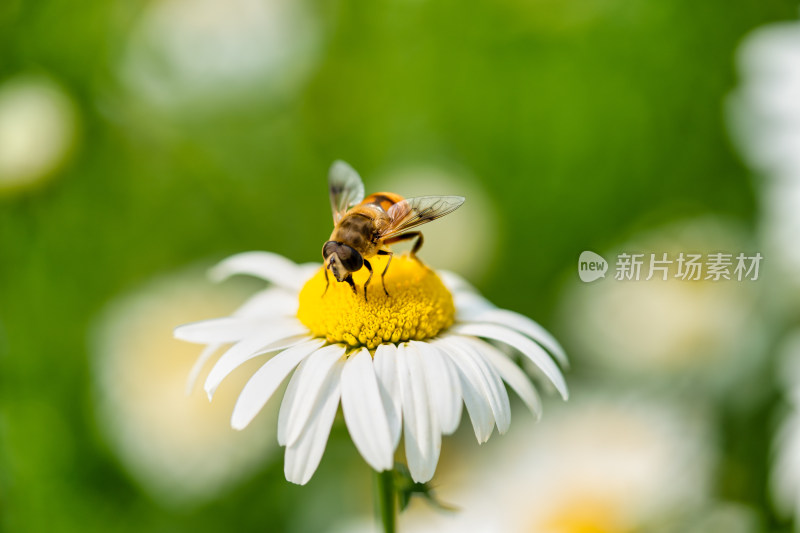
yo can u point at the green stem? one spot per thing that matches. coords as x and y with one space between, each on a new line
386 500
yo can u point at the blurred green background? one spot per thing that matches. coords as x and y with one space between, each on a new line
580 123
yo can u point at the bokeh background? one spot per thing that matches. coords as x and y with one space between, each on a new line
142 141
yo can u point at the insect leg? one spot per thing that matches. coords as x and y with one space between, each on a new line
369 267
327 283
349 280
405 237
383 275
417 245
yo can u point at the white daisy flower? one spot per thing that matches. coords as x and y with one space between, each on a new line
785 475
764 113
176 447
764 109
671 328
187 53
605 463
399 363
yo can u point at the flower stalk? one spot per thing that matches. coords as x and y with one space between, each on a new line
386 500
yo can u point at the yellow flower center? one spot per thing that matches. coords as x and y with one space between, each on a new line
418 306
584 514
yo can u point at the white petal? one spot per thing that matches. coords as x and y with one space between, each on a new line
364 413
480 412
307 270
309 384
492 384
422 435
218 330
302 458
198 365
523 344
511 374
523 324
468 304
468 301
266 265
385 363
454 282
444 388
271 339
260 388
269 303
289 397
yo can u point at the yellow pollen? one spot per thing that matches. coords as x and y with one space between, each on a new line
418 306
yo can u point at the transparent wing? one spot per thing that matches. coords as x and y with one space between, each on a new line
345 187
413 212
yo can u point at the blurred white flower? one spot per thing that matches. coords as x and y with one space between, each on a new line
37 130
401 362
174 445
598 464
785 478
665 328
205 51
464 240
765 119
766 105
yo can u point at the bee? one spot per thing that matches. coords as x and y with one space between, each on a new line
365 227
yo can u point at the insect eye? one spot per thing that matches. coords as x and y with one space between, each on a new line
328 248
350 258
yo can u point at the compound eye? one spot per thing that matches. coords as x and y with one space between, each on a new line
328 248
350 258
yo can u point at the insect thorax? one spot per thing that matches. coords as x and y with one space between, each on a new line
357 230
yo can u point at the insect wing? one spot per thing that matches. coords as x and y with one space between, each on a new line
413 212
345 187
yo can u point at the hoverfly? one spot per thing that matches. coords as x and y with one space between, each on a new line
365 227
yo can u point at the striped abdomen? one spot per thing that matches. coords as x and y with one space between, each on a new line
383 199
